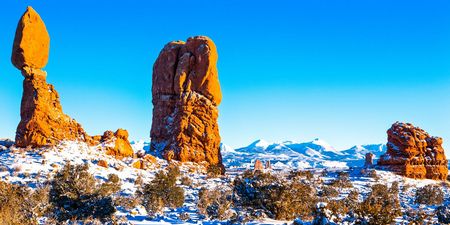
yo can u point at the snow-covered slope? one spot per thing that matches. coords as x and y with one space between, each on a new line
288 154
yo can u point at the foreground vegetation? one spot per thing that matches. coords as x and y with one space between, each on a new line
74 195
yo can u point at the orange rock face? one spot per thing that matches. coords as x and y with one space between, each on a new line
186 93
120 142
258 166
414 153
43 122
31 43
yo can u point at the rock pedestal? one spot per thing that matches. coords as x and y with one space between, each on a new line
413 153
43 122
186 93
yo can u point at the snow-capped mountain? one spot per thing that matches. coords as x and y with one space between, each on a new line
288 154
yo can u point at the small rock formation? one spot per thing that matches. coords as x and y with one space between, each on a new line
102 163
268 165
258 166
43 122
186 94
119 144
413 153
369 160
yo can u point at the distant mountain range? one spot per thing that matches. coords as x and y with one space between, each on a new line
314 154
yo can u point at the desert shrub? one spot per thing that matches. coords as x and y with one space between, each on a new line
278 197
342 208
215 171
417 216
162 191
328 192
111 186
127 202
370 173
215 203
15 207
139 181
342 181
184 216
301 174
75 194
443 214
186 181
321 215
429 195
380 207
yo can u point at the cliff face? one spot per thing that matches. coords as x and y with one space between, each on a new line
43 122
414 153
186 93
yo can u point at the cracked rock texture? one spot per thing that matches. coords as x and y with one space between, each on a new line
186 94
413 153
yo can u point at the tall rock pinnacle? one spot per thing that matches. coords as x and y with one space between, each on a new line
186 93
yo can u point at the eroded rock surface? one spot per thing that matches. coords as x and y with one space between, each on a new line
414 153
31 42
43 122
186 93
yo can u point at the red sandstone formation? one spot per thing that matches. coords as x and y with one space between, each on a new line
120 146
268 166
43 122
414 153
369 160
258 166
186 93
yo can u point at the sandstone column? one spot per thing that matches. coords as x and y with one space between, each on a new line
186 94
42 120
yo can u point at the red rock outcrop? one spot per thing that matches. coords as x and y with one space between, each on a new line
186 93
43 122
258 166
413 153
368 160
119 144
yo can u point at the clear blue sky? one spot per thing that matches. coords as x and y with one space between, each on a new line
343 71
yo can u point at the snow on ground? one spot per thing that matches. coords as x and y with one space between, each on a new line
300 155
34 167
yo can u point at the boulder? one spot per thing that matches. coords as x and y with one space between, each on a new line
186 94
413 153
102 163
117 143
31 42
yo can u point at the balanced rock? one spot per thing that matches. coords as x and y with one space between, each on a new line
186 94
413 153
31 43
43 122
